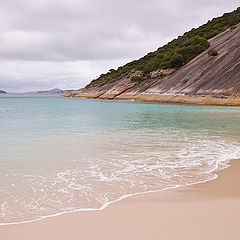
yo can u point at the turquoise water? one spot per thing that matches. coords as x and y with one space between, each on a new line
65 154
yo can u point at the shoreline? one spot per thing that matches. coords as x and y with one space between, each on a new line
212 191
168 99
226 164
112 202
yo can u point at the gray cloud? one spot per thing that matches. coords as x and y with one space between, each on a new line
64 33
22 76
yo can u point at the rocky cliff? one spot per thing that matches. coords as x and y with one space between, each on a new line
206 79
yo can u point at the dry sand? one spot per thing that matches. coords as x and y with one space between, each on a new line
206 211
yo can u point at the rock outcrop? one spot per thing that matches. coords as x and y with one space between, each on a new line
213 80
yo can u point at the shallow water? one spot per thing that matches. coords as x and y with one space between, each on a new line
65 154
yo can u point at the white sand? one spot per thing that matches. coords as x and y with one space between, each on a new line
207 211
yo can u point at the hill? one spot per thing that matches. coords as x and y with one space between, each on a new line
52 91
55 91
202 67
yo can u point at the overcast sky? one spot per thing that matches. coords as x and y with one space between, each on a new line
64 44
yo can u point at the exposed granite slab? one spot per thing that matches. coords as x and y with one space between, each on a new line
206 79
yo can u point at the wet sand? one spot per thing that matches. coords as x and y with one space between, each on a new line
209 211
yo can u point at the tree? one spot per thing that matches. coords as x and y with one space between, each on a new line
177 60
111 70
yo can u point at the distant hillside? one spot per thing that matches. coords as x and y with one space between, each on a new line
52 91
55 91
202 67
1 91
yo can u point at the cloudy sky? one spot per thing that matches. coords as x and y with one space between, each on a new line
46 44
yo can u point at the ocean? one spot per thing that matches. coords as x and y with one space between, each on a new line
61 155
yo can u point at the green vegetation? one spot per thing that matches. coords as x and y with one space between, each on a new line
233 27
136 79
176 53
177 60
212 52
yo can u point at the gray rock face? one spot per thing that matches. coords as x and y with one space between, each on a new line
217 77
208 75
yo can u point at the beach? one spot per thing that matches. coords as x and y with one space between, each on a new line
111 128
209 211
105 165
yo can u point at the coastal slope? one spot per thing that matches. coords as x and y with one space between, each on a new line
206 79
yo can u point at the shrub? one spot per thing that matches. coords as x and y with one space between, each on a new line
177 60
233 27
212 52
136 79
